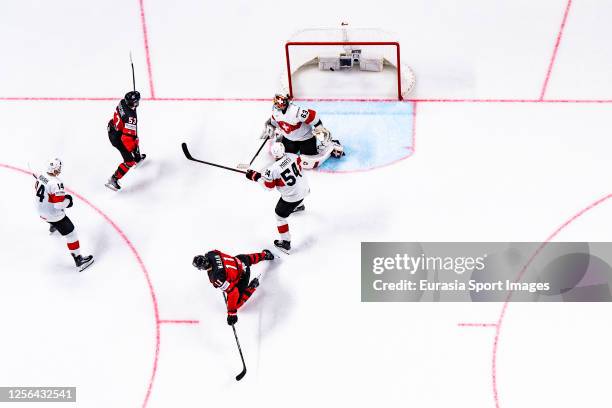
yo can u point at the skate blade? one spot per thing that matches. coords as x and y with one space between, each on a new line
286 251
85 266
110 186
141 163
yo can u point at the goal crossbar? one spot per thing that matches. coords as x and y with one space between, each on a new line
343 43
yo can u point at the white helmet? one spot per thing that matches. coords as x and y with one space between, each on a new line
54 165
277 150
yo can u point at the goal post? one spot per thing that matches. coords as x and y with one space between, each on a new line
346 49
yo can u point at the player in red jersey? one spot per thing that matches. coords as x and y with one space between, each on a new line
231 274
122 133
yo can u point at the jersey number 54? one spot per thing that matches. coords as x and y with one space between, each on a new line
289 178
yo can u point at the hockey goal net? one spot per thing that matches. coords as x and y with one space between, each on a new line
361 61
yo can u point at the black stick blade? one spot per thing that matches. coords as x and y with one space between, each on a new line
241 375
186 151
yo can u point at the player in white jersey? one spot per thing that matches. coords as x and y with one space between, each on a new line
299 129
285 174
51 201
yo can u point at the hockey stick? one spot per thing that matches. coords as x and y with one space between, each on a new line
138 164
244 369
246 166
190 157
133 76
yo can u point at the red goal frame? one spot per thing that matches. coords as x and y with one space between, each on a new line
311 43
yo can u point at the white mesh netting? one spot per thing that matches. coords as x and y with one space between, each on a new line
306 56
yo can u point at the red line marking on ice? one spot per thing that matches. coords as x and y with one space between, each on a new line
179 322
212 99
141 264
229 99
146 46
554 54
519 277
55 98
149 283
477 324
489 100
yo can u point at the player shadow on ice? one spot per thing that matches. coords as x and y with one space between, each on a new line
273 302
150 173
59 264
98 242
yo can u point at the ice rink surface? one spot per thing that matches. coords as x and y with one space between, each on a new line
506 138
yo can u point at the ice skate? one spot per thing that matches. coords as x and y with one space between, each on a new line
254 283
283 245
113 183
82 262
268 256
142 159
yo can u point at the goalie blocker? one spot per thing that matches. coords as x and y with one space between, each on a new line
301 132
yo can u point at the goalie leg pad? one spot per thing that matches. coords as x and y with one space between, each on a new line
325 151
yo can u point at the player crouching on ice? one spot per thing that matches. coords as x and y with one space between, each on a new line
51 201
299 129
285 174
231 274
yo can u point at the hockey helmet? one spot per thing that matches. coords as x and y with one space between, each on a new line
201 262
281 101
54 166
132 98
277 150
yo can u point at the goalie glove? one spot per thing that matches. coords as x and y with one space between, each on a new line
268 132
323 135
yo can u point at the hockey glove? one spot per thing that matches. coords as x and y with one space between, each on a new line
268 131
232 319
69 198
253 175
323 135
267 255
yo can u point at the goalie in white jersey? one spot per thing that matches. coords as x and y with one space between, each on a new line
286 175
51 201
301 132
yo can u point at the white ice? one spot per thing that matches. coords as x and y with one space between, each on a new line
479 172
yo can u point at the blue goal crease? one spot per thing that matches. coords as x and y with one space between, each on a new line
373 134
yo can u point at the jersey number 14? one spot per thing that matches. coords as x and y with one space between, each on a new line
40 191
